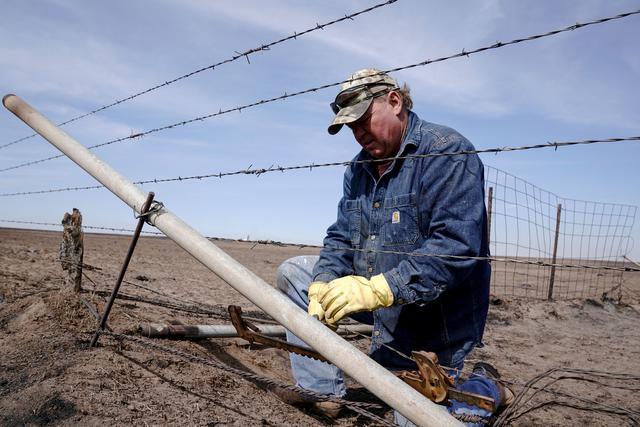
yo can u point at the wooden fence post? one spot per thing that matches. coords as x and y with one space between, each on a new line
72 250
555 253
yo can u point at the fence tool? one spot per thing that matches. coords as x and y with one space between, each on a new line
251 333
434 383
429 379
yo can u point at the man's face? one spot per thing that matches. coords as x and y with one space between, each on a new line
379 130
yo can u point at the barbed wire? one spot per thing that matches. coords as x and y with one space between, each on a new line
510 416
91 227
317 88
594 406
261 48
311 166
359 407
522 399
539 263
171 302
517 408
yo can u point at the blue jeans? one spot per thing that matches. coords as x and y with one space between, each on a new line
294 277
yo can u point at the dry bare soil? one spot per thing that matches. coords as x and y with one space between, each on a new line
48 376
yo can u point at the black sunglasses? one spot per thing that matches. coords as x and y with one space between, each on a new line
354 96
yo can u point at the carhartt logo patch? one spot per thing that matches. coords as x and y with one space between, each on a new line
395 217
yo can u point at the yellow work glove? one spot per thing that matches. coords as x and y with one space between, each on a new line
352 294
314 308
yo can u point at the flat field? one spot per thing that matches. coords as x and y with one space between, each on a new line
48 376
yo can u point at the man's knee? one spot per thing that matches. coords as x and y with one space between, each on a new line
283 274
295 271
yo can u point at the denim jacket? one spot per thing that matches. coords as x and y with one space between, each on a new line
425 207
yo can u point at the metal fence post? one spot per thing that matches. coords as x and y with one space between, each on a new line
555 253
489 211
132 246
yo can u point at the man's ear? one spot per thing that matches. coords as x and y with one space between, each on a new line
395 100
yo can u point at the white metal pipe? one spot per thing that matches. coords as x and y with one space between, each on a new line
352 361
227 331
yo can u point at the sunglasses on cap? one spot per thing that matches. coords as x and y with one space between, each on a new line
356 95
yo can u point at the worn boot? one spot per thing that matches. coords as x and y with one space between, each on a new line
327 408
489 371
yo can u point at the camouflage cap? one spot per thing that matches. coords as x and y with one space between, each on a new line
356 95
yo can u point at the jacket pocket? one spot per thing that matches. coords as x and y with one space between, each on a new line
353 211
400 223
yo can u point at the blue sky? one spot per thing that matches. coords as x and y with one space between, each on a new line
69 57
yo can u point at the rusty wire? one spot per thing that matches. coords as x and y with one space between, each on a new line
261 48
171 301
361 408
519 408
539 263
509 415
325 86
259 171
522 403
358 407
515 410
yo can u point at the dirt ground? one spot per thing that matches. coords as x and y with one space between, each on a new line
48 376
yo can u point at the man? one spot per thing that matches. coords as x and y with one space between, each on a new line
400 255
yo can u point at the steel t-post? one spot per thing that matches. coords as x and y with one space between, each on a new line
123 270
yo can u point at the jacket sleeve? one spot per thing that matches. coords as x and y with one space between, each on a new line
333 262
451 196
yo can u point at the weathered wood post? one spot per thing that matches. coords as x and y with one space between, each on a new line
72 250
555 253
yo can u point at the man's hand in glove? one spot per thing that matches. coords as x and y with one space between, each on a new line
352 294
314 308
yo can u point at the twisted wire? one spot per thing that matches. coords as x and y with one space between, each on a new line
325 86
245 54
359 407
171 301
515 410
512 412
311 166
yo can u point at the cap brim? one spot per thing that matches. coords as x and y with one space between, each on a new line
348 115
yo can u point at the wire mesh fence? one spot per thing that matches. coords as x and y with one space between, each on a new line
529 223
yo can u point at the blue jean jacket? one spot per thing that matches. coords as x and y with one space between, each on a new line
424 207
